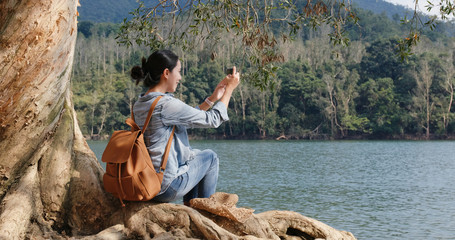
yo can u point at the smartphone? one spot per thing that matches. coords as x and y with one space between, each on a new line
229 71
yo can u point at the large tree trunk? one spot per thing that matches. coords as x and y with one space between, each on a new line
50 181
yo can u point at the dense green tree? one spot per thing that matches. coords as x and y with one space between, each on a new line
377 102
381 61
298 109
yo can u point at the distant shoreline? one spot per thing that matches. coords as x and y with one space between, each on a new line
409 137
325 137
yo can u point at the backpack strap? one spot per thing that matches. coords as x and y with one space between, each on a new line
166 152
149 115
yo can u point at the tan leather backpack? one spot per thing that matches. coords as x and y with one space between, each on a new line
130 174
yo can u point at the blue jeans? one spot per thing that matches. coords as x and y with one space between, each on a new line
198 182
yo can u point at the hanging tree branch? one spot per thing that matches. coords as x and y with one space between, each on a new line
417 25
258 26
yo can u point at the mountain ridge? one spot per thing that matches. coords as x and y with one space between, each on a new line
116 11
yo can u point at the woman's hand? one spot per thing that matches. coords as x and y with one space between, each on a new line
218 92
232 80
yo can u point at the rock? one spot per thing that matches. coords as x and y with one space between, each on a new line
282 137
287 223
223 204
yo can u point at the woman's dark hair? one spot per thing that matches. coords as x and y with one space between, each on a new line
152 68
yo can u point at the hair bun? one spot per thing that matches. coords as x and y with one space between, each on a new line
152 68
137 74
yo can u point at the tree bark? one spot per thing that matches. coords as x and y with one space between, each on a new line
50 180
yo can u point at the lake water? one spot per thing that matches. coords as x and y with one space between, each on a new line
374 189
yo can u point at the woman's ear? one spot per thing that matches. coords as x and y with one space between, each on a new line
166 73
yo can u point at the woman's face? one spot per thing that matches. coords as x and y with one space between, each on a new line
174 77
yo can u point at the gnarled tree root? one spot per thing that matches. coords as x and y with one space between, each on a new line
172 221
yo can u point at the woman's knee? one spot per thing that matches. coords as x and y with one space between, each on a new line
213 157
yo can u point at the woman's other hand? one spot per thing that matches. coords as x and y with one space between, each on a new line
219 91
232 80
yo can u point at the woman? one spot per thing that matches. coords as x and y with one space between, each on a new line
190 173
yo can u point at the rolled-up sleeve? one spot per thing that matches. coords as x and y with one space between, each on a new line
176 112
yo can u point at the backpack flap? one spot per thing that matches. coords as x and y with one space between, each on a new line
119 147
132 124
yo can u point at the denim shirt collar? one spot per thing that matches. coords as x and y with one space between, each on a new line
151 95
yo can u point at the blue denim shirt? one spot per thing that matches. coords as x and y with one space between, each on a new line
168 112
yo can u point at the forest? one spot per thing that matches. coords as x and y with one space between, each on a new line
320 91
